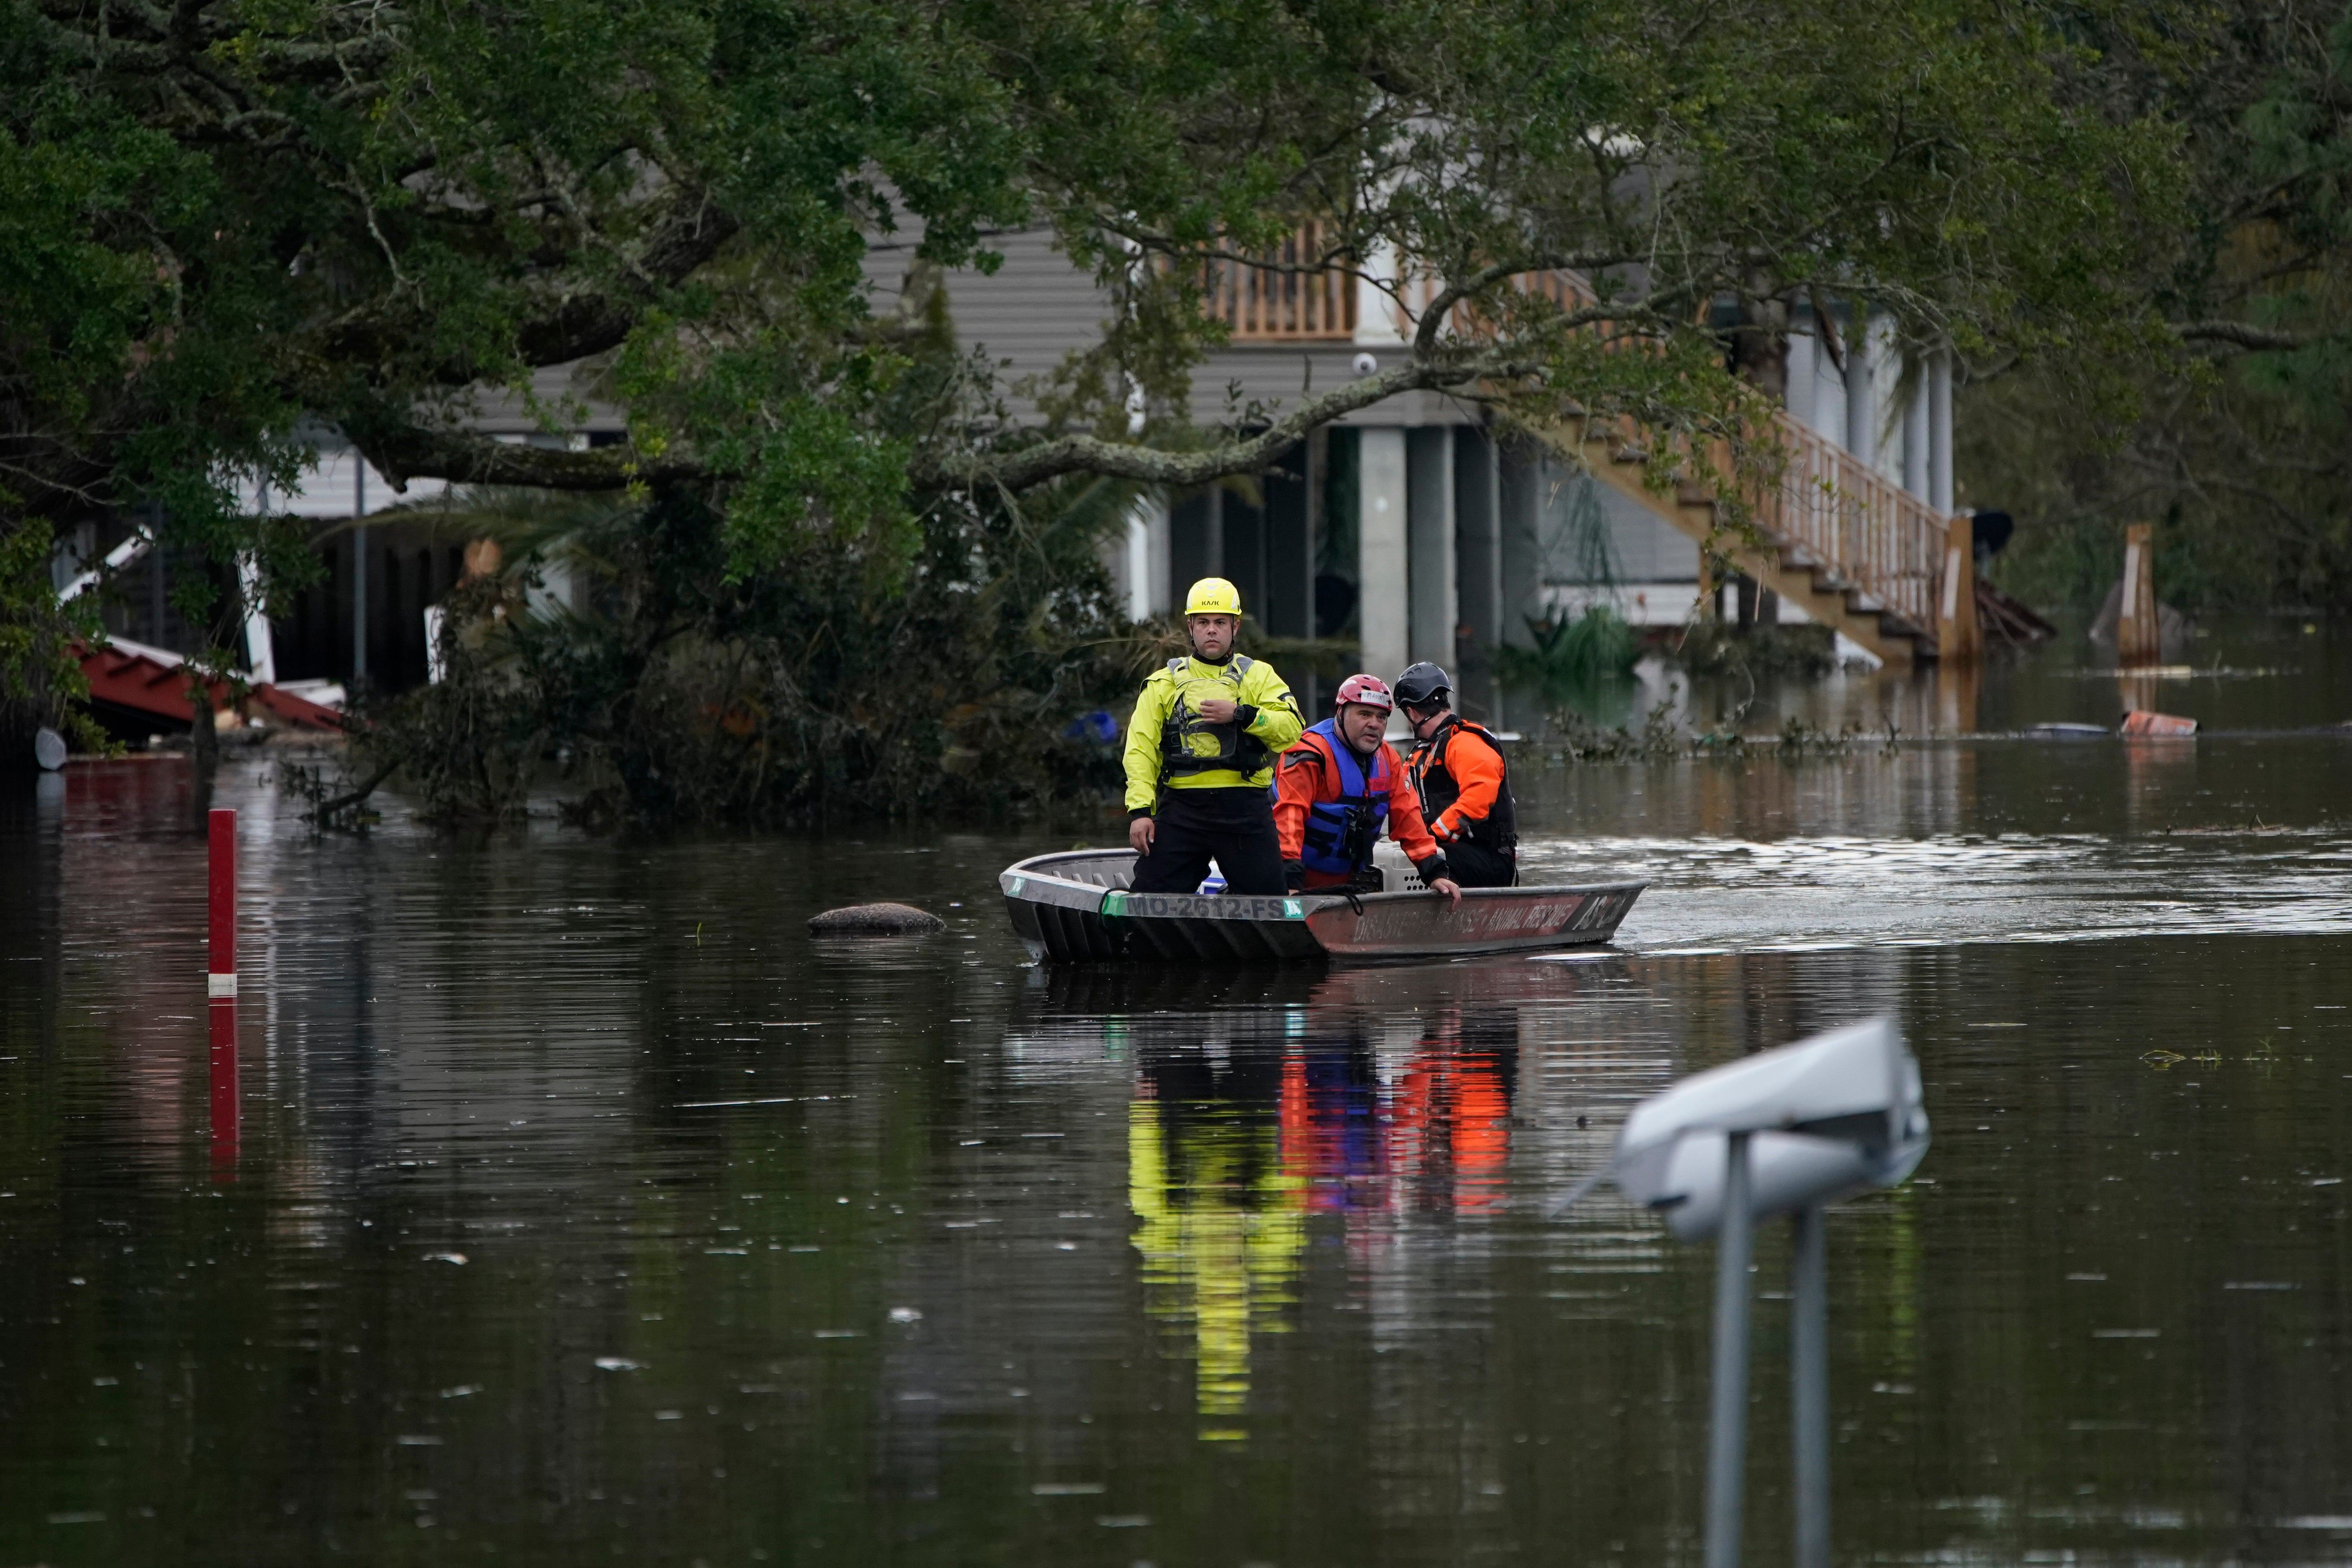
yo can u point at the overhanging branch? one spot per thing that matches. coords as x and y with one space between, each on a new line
2238 334
404 452
1020 470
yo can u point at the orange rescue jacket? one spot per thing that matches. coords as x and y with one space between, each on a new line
1309 773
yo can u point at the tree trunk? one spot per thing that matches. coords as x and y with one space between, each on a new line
1759 346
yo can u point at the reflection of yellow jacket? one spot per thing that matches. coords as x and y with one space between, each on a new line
1276 726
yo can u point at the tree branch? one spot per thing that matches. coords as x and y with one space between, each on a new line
402 452
1020 470
580 326
2240 335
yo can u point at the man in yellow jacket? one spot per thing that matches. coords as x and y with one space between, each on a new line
1200 757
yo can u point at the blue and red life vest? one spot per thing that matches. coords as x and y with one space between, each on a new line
1340 832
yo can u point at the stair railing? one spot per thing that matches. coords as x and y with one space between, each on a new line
1867 534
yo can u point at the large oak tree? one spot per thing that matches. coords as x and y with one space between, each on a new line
224 224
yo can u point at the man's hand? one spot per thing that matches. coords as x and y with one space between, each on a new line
1217 710
1139 834
1450 888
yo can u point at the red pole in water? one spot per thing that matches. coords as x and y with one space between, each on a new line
223 1077
220 986
220 978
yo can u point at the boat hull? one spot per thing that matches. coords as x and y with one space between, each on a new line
1075 906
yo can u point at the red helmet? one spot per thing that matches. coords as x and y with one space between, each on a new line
1369 689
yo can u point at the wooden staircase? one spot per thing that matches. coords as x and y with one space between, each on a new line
1839 540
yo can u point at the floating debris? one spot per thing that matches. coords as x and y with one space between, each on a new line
2140 723
876 920
618 1363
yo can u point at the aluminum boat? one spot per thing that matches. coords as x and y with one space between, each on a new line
1076 906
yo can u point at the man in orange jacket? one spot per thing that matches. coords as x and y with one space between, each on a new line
1335 791
1464 787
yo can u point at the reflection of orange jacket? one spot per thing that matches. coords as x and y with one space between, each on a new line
1476 765
1307 774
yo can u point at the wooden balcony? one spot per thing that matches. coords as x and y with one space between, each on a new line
1283 299
1269 302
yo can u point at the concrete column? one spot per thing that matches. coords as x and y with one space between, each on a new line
1478 559
1315 462
260 655
359 574
1940 430
1860 404
1829 398
1519 487
1158 554
1376 310
1803 369
1915 436
1383 611
1429 521
1213 534
1135 562
1477 562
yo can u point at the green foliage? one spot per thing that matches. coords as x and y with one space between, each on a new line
681 693
1573 662
1715 647
237 221
38 678
1659 740
2235 444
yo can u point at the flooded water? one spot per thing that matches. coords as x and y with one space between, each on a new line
570 1205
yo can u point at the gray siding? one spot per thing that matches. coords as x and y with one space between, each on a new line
1036 309
1027 316
1590 533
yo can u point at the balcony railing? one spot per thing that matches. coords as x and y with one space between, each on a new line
1281 299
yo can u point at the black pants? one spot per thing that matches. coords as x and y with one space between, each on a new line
1476 865
1236 826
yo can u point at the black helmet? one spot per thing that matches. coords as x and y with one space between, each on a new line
1423 685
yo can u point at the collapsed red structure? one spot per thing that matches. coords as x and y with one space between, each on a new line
155 680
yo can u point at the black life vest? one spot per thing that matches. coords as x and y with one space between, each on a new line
1236 748
1341 831
1499 830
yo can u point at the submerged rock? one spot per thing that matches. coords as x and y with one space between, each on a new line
876 920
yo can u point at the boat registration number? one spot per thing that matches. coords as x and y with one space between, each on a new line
1200 906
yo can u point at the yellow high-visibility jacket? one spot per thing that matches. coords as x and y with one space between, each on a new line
1165 716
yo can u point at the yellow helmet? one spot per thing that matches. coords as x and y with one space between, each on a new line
1213 596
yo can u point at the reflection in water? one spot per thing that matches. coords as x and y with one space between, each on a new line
1221 1223
1232 1147
911 1252
222 1071
1450 1120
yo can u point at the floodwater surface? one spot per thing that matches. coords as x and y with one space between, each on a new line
570 1205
